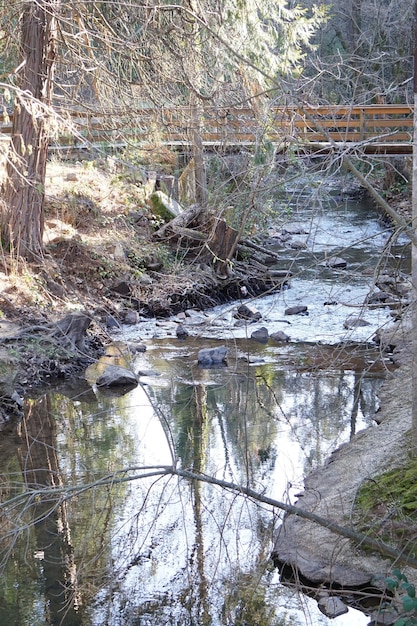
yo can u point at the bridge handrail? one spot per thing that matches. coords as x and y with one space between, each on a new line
385 123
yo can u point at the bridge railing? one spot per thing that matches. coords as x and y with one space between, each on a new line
384 123
388 124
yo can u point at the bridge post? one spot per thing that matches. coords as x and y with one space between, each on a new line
362 122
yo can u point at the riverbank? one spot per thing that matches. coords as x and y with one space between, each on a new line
105 257
325 559
102 258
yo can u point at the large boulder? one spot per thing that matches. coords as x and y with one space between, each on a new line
397 285
280 336
354 321
395 337
131 317
332 606
135 347
298 243
181 332
315 553
211 357
245 312
71 330
336 262
116 376
299 309
294 229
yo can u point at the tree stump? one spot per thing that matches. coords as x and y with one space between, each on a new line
71 330
222 244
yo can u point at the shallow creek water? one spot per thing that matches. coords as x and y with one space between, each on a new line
143 548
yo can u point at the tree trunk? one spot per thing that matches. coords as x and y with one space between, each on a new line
40 469
353 25
24 187
414 249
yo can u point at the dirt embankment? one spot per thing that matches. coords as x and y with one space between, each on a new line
107 255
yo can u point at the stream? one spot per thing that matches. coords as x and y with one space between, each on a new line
141 547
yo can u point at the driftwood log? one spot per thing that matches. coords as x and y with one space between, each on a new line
254 246
215 239
70 332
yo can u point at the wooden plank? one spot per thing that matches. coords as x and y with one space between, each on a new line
386 109
171 113
357 138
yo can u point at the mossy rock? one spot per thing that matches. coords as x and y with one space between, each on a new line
388 503
164 207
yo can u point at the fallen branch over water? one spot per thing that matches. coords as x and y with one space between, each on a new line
56 496
254 246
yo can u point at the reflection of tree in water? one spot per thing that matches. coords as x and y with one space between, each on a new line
64 544
246 601
198 445
238 412
248 411
319 406
40 469
196 412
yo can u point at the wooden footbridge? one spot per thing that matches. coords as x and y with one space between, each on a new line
370 129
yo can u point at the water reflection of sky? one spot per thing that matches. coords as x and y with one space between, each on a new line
203 551
168 550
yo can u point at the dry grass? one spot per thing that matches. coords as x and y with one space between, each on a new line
93 237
